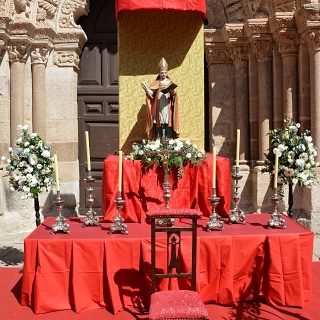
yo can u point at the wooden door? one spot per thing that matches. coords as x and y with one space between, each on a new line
98 95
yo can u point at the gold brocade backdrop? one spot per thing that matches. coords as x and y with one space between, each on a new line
144 37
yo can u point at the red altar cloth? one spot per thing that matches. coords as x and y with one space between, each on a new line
91 269
179 5
143 191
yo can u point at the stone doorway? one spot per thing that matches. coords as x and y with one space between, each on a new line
98 95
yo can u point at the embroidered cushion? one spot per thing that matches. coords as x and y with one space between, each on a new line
177 304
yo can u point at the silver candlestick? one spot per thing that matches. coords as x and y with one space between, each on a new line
91 216
276 220
118 224
214 221
60 224
236 213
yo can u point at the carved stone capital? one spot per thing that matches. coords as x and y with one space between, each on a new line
66 59
3 46
232 30
312 39
238 53
217 53
262 49
18 51
288 44
40 54
307 16
71 10
256 27
281 20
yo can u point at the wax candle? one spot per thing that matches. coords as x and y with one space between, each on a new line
237 147
276 165
214 167
120 172
88 151
57 172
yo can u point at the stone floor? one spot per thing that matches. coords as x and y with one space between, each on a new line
11 249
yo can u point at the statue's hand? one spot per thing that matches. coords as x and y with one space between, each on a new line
147 90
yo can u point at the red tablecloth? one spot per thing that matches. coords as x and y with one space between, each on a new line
178 5
91 269
143 191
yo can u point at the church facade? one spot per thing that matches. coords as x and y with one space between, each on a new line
262 65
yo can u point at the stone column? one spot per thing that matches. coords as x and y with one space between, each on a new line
313 40
263 52
18 55
277 89
39 58
239 54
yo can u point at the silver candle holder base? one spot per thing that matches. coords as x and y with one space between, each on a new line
276 220
60 224
119 224
214 221
91 216
236 214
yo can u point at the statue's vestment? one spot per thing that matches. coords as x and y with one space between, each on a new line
163 109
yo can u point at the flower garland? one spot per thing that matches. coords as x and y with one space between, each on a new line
30 164
189 153
296 156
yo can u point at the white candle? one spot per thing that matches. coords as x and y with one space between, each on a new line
214 167
276 165
57 172
237 147
88 151
120 172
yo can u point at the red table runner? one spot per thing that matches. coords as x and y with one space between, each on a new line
143 191
91 269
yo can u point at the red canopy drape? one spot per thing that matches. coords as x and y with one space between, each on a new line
179 5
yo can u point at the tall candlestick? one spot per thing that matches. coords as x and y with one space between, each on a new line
237 147
120 172
214 167
57 172
276 165
88 151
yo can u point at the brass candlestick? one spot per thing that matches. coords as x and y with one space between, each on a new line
214 221
91 218
60 224
118 224
276 220
236 213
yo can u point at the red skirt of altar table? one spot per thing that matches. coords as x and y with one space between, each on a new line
143 191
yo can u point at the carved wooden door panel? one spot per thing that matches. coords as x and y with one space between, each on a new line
98 95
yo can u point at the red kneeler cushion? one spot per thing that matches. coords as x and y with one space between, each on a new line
177 304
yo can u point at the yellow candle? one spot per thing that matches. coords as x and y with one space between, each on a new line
120 172
276 165
214 167
237 147
57 172
88 151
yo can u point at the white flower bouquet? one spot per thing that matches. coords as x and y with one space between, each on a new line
30 164
296 156
189 153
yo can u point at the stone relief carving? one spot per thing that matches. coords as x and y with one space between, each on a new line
313 40
18 52
40 55
262 49
238 53
215 14
288 44
68 10
218 55
20 9
2 6
46 11
66 59
284 5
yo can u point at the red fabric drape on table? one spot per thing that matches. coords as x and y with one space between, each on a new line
179 5
89 268
143 191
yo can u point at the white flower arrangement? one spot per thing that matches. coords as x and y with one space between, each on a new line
189 153
29 165
296 156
